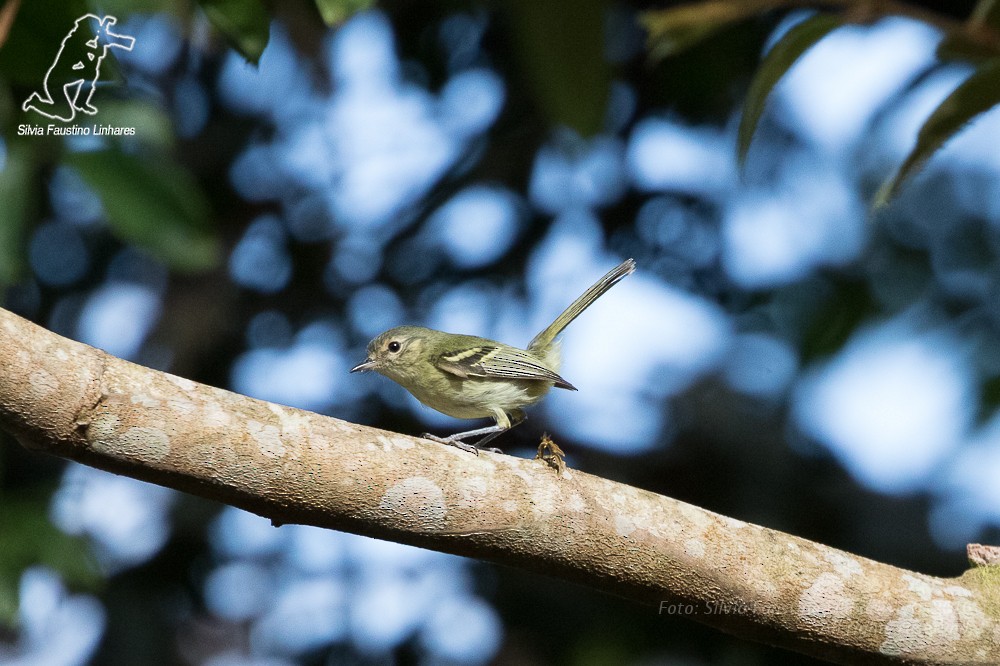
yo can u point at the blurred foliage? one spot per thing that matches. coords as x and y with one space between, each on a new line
172 197
676 29
161 209
986 15
21 61
976 40
978 94
30 539
18 183
776 64
245 23
567 67
335 12
158 207
839 316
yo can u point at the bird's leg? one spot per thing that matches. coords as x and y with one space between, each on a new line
504 423
515 418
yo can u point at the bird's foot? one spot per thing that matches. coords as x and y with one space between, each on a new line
457 443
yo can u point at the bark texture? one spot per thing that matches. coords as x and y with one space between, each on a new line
293 466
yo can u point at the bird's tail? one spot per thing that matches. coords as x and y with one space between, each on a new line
543 340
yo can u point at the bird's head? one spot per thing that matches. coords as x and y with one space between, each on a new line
396 353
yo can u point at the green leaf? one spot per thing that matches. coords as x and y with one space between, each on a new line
35 39
122 8
561 46
986 14
959 45
151 122
17 194
776 64
245 24
676 29
990 392
968 42
839 317
335 12
976 95
29 539
153 203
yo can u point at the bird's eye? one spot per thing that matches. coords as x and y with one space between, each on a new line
393 347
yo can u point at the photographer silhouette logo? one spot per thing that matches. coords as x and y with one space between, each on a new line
78 76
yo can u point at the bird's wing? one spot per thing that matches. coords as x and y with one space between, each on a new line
500 362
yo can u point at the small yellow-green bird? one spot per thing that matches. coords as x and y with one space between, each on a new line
470 377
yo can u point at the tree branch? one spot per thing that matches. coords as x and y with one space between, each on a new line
292 466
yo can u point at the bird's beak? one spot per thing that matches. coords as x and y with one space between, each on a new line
367 365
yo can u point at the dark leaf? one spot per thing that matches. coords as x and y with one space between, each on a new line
29 539
677 29
152 203
976 40
959 45
837 317
986 14
335 12
561 45
17 194
245 23
36 37
977 94
776 64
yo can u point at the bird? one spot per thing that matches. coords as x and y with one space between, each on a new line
470 377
